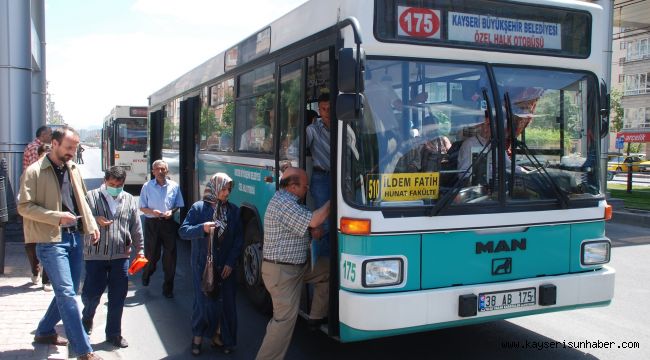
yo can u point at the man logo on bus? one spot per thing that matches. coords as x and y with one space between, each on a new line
501 266
502 246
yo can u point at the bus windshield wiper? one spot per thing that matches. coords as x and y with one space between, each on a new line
446 199
516 144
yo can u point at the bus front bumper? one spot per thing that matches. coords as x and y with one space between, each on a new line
387 312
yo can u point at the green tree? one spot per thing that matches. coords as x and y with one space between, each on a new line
263 105
208 122
225 126
616 111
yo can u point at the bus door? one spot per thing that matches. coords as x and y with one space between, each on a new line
107 154
301 84
155 136
291 113
189 139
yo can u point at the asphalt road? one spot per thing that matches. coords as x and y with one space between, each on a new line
158 328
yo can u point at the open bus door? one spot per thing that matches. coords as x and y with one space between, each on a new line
155 136
189 132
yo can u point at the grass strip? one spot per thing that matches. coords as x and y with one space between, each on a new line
639 198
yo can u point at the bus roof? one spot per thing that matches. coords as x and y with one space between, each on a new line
283 33
126 111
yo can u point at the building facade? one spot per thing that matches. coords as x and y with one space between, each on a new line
22 82
632 57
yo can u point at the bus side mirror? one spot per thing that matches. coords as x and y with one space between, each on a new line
351 70
346 107
605 107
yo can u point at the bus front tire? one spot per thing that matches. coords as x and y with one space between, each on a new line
252 268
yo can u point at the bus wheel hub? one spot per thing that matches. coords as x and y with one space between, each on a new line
252 264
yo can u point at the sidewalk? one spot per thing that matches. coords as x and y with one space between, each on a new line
22 305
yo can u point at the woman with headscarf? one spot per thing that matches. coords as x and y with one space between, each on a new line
214 214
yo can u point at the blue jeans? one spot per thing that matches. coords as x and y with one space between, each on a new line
320 191
99 274
63 262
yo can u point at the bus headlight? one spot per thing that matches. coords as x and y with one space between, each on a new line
382 272
595 252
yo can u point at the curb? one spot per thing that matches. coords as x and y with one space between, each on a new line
621 215
632 217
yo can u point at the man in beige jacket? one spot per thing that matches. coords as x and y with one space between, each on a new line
56 215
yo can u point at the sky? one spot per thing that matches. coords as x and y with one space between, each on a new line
104 53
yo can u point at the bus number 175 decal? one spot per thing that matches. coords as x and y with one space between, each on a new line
349 270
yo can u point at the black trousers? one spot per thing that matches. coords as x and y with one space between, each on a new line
30 249
160 234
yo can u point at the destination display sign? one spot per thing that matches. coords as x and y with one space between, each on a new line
138 111
486 26
403 186
501 31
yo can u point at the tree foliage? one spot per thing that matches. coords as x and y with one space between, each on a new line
616 111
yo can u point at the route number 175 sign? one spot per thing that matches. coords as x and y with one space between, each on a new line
418 22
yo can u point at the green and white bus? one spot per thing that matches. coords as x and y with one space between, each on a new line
466 174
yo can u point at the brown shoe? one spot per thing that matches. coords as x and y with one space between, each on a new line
54 339
89 356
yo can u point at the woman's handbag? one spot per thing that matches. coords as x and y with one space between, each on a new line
208 281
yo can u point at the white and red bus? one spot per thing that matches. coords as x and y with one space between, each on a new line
124 142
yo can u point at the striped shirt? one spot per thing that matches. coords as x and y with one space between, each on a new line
286 238
318 142
125 231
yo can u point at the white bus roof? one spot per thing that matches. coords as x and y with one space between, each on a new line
298 24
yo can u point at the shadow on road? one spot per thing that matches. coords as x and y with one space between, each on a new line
499 339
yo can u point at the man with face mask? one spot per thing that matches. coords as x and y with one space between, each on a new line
55 215
107 262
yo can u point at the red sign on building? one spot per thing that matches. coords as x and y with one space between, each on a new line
634 137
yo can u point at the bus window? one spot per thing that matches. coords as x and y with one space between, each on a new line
254 111
217 117
171 126
549 112
131 135
416 125
290 105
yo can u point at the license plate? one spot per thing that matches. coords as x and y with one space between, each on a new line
501 300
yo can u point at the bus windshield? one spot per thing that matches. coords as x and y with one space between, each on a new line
435 132
131 134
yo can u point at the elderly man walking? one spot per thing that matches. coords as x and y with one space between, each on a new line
160 198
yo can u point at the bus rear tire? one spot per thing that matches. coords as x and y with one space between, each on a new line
251 268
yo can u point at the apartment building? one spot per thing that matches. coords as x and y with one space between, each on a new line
631 68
